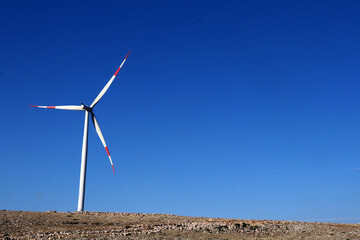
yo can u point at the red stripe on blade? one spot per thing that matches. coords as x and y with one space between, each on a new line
33 106
127 55
117 72
113 168
107 150
52 107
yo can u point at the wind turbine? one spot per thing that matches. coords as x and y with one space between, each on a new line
88 109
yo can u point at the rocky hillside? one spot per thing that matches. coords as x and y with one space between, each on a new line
99 225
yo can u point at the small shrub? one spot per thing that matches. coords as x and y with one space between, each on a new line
221 228
70 222
254 227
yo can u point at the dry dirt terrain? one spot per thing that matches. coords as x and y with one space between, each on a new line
100 225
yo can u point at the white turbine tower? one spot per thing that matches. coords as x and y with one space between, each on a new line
88 109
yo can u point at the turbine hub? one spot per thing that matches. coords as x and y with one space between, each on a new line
87 108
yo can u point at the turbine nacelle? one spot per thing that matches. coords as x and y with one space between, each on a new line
87 108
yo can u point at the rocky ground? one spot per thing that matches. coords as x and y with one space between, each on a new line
99 225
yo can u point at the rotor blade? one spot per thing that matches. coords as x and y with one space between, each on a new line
97 128
68 107
103 91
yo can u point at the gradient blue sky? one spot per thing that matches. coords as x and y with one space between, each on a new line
232 109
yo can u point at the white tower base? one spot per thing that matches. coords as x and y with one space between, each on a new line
83 164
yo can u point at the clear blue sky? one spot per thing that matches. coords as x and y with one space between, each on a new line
233 109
